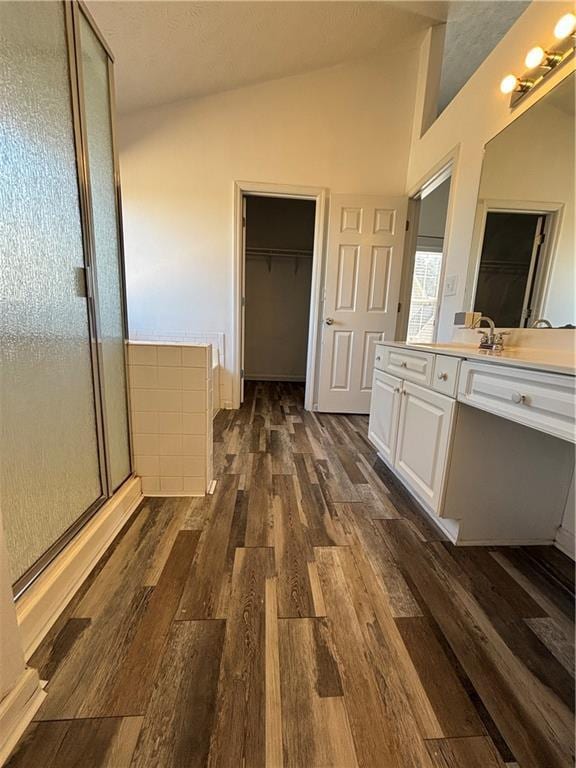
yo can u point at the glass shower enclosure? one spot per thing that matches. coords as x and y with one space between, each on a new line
64 414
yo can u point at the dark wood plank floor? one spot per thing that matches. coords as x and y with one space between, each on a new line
307 615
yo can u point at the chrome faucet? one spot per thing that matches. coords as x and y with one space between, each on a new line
541 322
491 340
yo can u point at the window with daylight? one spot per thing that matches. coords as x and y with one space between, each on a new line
424 296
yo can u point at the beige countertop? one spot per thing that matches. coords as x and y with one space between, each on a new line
549 360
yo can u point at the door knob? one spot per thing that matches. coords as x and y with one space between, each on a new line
329 320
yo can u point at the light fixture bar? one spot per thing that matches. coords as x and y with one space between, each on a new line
541 61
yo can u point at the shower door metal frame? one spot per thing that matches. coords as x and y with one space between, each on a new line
72 10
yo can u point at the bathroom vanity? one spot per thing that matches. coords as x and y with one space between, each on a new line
483 441
484 438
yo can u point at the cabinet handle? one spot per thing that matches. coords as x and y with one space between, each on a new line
403 364
443 377
518 398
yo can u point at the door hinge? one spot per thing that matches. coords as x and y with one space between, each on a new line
241 373
399 306
540 238
243 301
244 222
407 225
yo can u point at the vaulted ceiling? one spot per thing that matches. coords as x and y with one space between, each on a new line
166 51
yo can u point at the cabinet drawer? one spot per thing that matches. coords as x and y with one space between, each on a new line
409 364
380 359
543 401
445 376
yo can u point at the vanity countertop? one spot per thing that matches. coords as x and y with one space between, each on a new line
550 360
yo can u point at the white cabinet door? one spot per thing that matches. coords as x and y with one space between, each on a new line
384 410
424 431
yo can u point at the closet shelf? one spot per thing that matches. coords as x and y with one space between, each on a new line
271 254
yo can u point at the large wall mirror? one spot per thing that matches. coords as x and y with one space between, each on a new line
523 258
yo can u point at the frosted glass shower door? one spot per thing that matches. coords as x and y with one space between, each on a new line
49 469
102 182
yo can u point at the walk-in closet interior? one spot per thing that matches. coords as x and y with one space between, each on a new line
65 437
279 249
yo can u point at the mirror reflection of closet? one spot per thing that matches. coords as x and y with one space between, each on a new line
523 265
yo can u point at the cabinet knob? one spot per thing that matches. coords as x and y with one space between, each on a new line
443 377
329 321
403 364
396 389
518 398
378 358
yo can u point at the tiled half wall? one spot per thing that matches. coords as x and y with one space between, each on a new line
171 410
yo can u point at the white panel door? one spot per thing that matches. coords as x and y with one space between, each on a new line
363 266
384 411
423 442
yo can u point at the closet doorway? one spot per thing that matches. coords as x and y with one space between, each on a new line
278 255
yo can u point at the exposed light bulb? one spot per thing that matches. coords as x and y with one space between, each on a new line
535 57
565 26
509 84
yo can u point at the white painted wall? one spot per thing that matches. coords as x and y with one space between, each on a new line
477 114
432 219
346 128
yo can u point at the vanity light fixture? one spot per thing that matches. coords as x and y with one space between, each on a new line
538 57
565 26
541 61
511 84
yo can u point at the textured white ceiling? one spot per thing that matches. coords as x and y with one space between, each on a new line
473 29
166 51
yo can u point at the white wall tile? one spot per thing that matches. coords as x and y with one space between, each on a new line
150 485
147 465
193 484
168 399
171 466
169 377
170 391
144 422
193 465
169 423
145 445
171 484
193 445
194 378
194 356
169 355
193 401
143 400
143 376
170 445
193 424
142 354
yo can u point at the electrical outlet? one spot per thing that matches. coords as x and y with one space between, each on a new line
451 285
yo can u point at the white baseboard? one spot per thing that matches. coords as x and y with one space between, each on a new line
17 709
565 542
41 604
